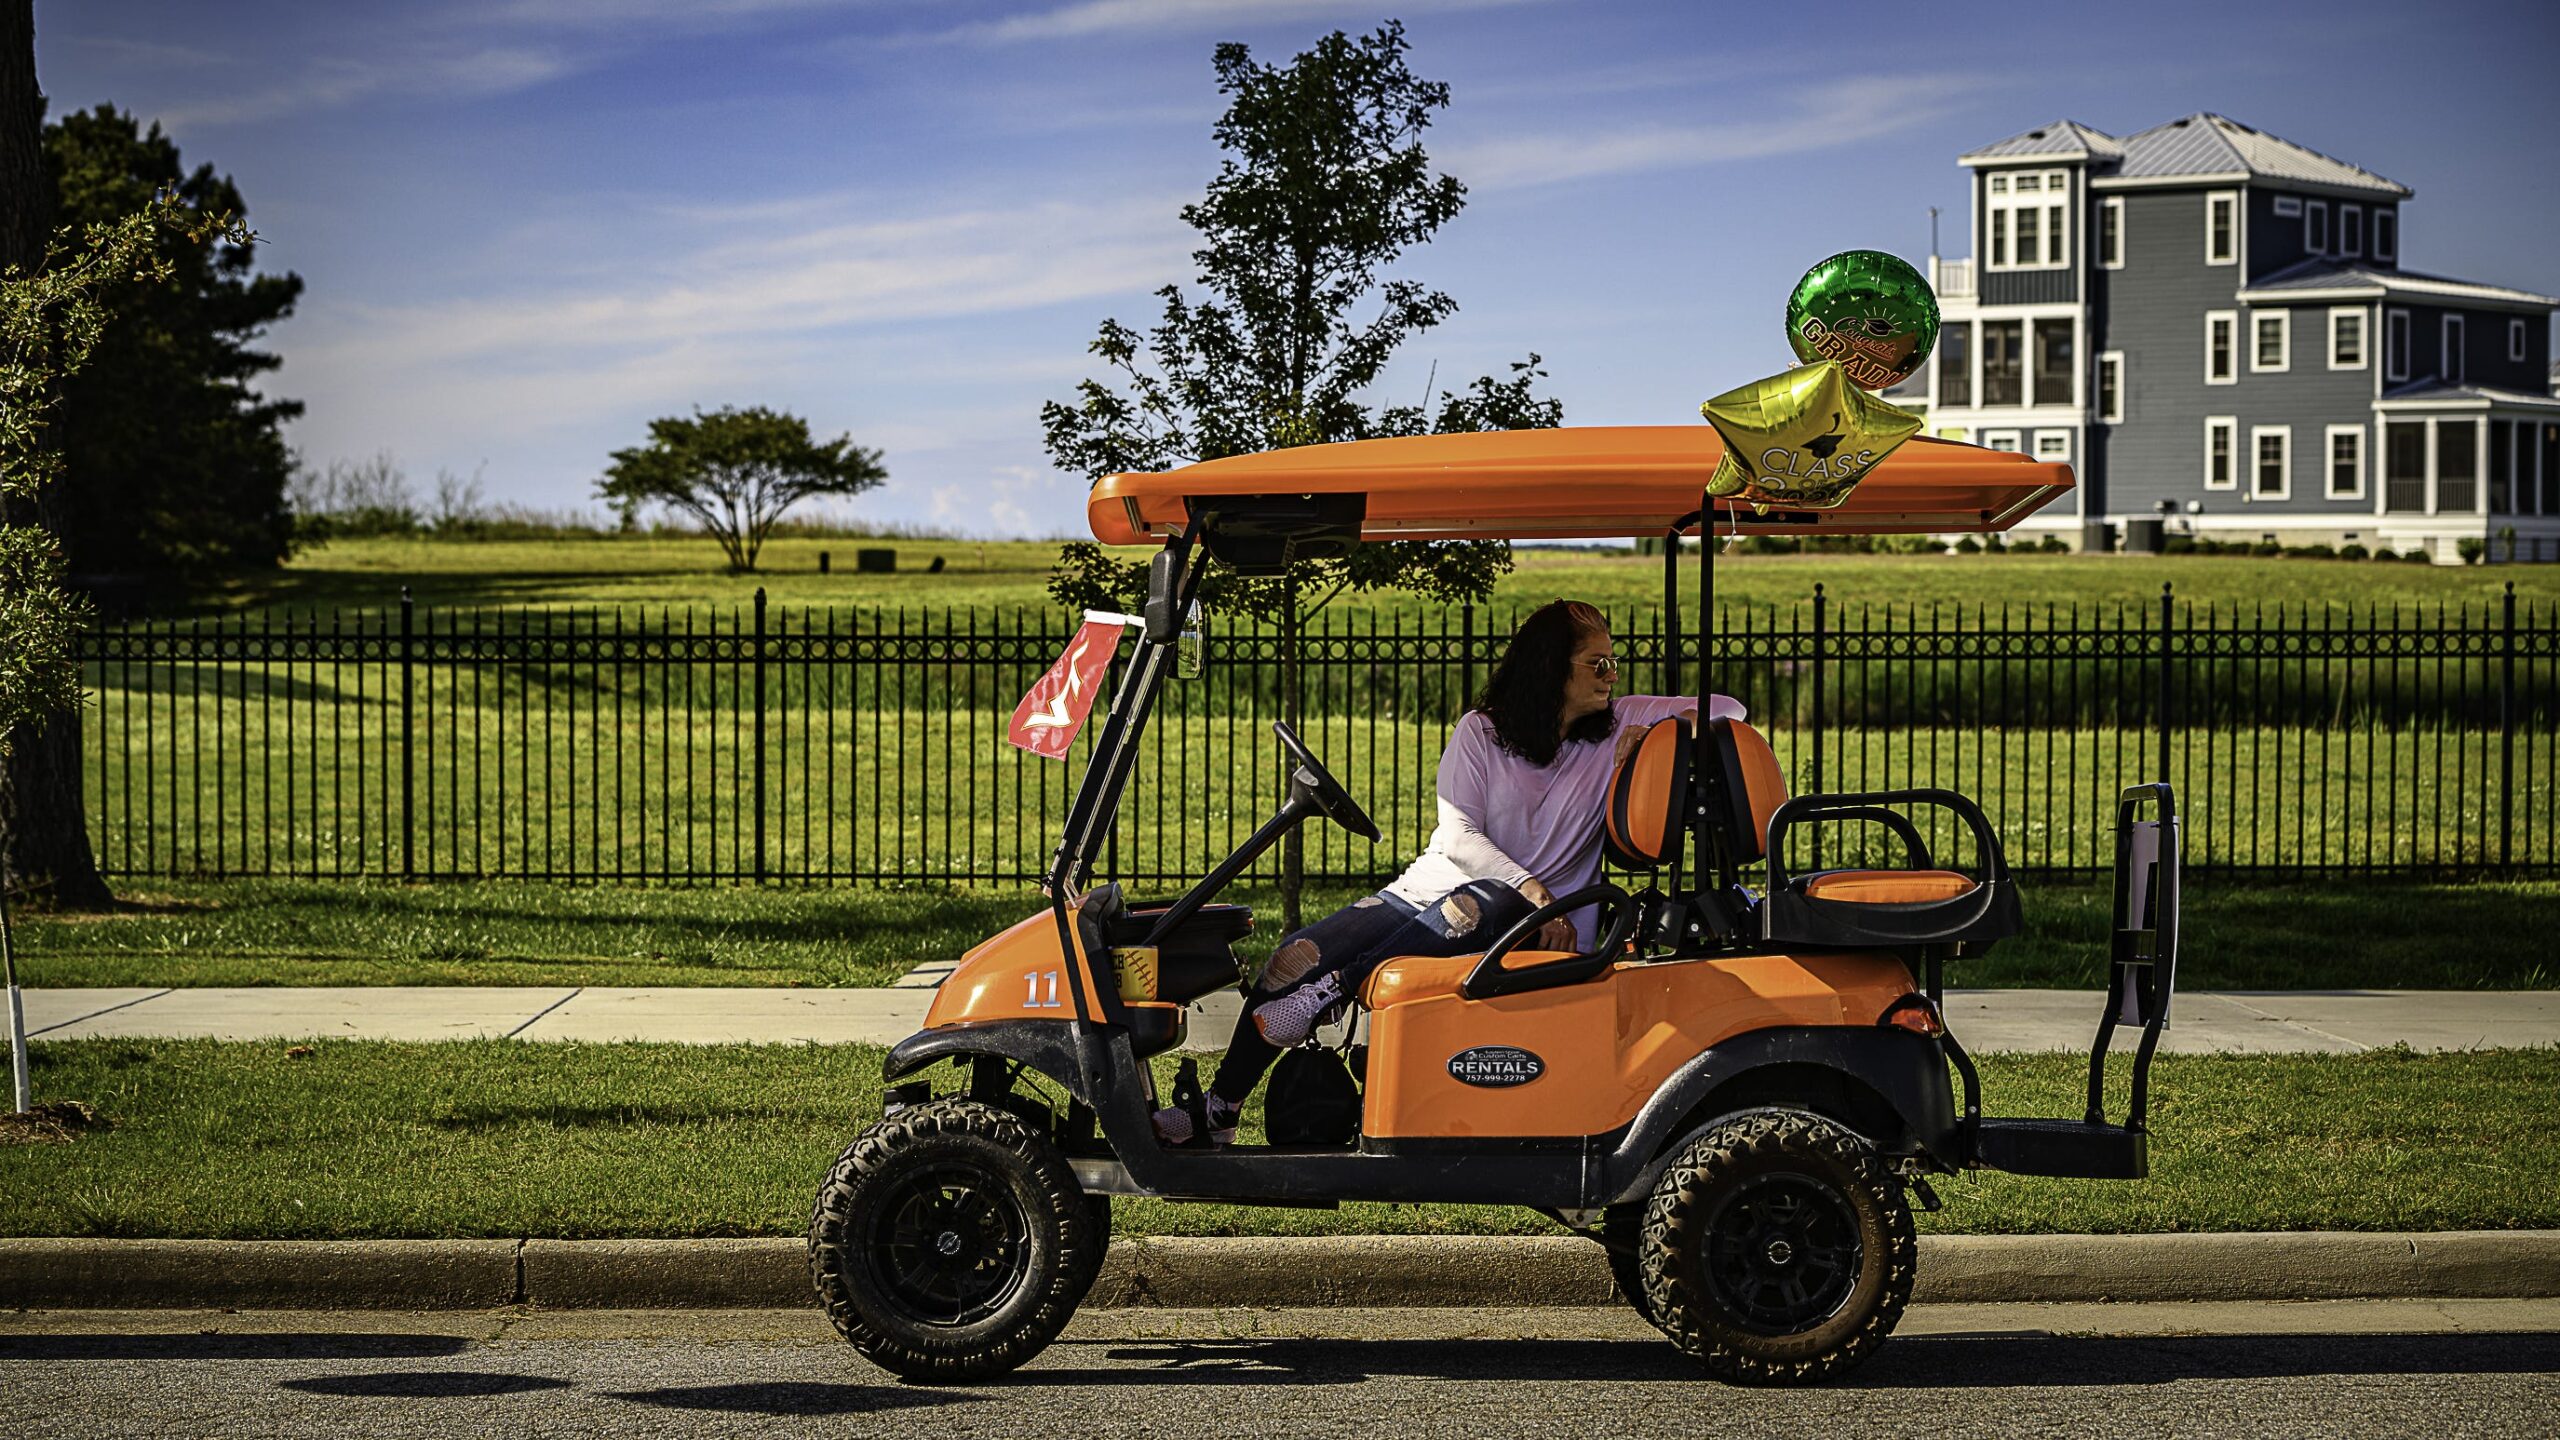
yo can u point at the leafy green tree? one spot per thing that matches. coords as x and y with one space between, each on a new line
176 464
1325 183
53 316
736 471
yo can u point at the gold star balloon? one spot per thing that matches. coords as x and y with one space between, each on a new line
1802 440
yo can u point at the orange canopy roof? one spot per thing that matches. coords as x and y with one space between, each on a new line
1577 483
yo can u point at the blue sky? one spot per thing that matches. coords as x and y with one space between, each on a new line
529 226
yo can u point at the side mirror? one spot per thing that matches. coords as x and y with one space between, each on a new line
1193 659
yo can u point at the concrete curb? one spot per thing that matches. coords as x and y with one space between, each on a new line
1310 1272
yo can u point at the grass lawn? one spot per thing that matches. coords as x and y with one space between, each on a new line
671 570
491 1138
2240 936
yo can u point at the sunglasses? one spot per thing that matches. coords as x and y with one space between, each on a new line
1606 667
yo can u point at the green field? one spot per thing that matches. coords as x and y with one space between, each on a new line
680 570
2394 935
498 1138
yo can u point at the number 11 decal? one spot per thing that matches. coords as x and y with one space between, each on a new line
1034 997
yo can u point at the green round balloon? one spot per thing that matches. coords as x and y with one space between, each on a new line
1868 310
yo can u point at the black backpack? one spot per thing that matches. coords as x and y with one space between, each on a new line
1312 1098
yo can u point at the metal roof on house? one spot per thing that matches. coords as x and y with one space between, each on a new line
2202 146
2205 144
2060 139
2434 393
2351 279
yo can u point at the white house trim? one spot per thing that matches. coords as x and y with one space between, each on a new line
2341 319
2107 398
2261 324
2230 375
2258 436
2228 428
2450 366
2239 243
2111 224
2329 461
2315 227
2350 230
2398 342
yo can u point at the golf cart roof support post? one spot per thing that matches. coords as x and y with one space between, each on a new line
1098 798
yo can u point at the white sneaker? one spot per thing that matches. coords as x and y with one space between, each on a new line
1174 1124
1293 1017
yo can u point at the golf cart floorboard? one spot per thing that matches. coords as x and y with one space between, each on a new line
2035 1146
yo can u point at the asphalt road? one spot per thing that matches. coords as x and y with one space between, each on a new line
2440 1369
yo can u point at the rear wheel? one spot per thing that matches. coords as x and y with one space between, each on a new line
1778 1249
951 1242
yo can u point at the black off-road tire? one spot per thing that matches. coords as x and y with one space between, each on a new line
1778 1249
1622 1235
951 1242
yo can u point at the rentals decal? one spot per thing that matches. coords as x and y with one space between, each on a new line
1495 1067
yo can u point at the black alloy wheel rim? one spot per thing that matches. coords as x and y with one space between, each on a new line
949 1243
1782 1253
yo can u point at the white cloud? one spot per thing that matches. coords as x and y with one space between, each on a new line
330 81
930 267
1823 116
1117 17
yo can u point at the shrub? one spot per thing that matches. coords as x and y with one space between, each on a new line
2471 548
2054 545
2419 555
1968 546
2351 551
2312 552
2179 545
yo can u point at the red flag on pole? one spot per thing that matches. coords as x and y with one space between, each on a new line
1046 721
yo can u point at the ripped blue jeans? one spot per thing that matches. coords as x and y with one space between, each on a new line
1350 943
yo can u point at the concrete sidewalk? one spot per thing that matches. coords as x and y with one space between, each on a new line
2336 1021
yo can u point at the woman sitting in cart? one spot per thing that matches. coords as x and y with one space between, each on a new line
1521 789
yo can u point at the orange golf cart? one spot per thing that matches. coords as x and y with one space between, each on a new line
1737 1092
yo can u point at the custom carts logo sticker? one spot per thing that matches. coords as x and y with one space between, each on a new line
1495 1067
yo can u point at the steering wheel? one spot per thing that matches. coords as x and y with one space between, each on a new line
1327 792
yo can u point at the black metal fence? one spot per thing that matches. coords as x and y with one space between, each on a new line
867 746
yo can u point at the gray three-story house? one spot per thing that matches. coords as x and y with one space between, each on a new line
2212 324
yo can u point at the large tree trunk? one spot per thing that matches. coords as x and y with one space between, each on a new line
46 823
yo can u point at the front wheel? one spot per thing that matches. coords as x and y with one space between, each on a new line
951 1242
1778 1249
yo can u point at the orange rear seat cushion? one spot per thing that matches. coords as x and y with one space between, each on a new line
1416 977
1887 887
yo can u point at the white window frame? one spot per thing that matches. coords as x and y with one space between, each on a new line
2315 227
2288 206
2111 221
2284 435
2350 230
2515 339
2060 451
2364 337
2001 202
2230 427
2386 234
2231 318
2396 358
2329 462
2100 390
2449 361
2008 440
2232 199
2284 341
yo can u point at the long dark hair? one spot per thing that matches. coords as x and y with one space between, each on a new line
1525 697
